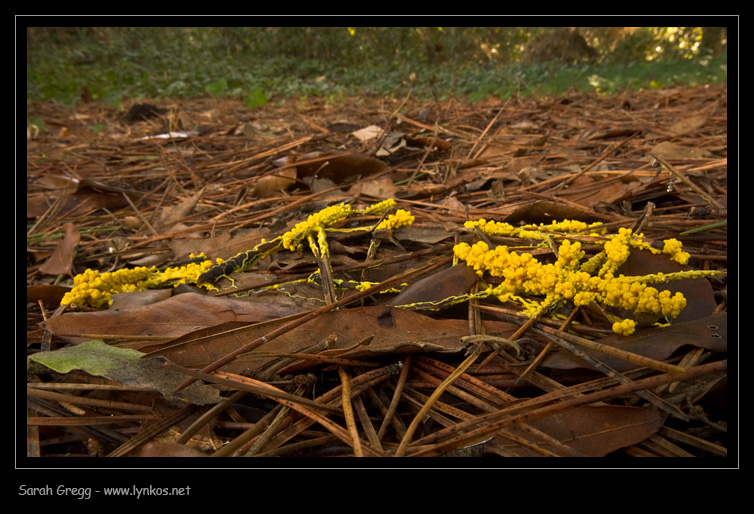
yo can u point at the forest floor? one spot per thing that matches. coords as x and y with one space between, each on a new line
370 341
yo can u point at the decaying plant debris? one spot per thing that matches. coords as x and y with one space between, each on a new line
279 368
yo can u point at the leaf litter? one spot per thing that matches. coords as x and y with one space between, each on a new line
398 369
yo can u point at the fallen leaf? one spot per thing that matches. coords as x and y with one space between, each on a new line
173 214
440 285
73 203
172 317
676 152
387 329
546 212
519 163
340 167
380 187
275 184
126 367
593 431
94 357
125 301
61 260
367 133
426 233
692 123
659 343
589 190
48 293
428 142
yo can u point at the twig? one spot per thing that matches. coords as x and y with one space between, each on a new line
207 416
683 178
153 431
345 383
141 216
401 451
273 428
387 419
550 344
511 341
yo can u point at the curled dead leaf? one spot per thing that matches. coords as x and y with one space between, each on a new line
658 343
273 185
61 260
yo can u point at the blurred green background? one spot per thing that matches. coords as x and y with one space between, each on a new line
263 64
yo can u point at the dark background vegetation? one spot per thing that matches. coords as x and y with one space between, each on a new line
262 64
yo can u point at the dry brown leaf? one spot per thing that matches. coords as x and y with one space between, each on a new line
61 260
380 187
594 431
677 152
272 185
173 214
692 123
173 317
73 202
367 133
519 163
163 449
421 233
339 168
440 285
589 190
48 293
386 329
546 212
659 343
428 142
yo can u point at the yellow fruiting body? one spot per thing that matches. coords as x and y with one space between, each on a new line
674 248
495 228
617 250
327 216
96 290
492 228
401 218
187 274
322 243
379 207
567 278
624 327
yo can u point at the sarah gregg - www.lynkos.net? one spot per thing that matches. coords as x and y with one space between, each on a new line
85 493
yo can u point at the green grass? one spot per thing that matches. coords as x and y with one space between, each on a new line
114 74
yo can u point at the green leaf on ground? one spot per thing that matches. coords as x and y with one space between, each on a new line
94 357
126 367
